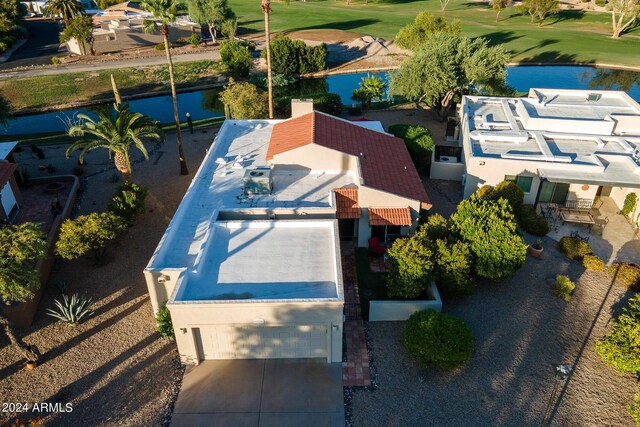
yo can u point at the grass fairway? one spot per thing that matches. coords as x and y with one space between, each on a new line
568 37
42 91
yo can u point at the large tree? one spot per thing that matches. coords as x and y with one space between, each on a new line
10 14
422 28
499 5
244 101
20 247
210 12
539 9
623 14
165 11
266 9
450 65
117 132
65 8
80 28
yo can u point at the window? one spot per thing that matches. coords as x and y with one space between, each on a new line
524 182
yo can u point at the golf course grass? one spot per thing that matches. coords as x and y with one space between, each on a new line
571 36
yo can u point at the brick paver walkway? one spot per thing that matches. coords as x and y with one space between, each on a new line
355 371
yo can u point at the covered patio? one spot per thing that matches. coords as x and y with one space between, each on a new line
608 232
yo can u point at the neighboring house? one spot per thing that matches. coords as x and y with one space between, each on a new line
89 6
115 35
124 10
250 265
9 192
560 146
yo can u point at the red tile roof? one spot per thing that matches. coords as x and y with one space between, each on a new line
6 172
389 216
384 160
347 203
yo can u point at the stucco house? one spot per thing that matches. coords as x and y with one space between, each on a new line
9 192
250 265
566 147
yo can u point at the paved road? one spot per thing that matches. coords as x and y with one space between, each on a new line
140 62
40 47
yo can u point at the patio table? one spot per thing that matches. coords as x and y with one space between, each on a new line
577 217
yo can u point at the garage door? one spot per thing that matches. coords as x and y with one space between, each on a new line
261 342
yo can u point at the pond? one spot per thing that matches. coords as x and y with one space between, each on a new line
205 104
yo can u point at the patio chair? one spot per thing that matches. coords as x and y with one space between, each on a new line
600 224
375 247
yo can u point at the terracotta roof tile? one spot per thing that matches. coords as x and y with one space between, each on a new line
6 172
384 160
389 216
347 203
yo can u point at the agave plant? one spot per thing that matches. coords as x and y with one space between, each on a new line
63 286
72 310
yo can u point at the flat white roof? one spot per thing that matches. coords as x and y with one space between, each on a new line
218 186
266 260
564 128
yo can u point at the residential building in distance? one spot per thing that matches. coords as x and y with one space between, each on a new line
565 147
250 265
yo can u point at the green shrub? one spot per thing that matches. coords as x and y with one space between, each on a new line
164 323
412 266
194 39
574 247
484 192
492 233
160 46
634 409
509 191
128 201
236 58
72 310
593 262
3 47
329 103
436 227
284 56
244 101
55 60
629 204
437 339
453 268
564 287
418 141
88 233
531 222
289 57
627 275
620 348
601 3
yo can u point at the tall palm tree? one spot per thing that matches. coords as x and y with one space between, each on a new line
165 10
116 132
66 8
266 9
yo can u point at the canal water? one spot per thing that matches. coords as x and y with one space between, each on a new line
205 104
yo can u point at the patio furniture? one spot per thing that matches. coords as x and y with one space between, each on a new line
600 224
375 247
577 217
578 236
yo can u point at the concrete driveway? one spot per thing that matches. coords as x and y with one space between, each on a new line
275 392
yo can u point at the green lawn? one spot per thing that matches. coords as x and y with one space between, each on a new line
570 36
59 89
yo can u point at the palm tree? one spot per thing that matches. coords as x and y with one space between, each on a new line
117 133
165 10
66 8
266 9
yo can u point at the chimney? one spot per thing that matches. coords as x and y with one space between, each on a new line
300 107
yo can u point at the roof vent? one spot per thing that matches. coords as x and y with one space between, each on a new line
593 97
257 181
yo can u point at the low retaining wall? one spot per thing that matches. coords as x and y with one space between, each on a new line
380 311
21 315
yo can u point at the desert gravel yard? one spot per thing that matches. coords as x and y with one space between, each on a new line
114 369
521 330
